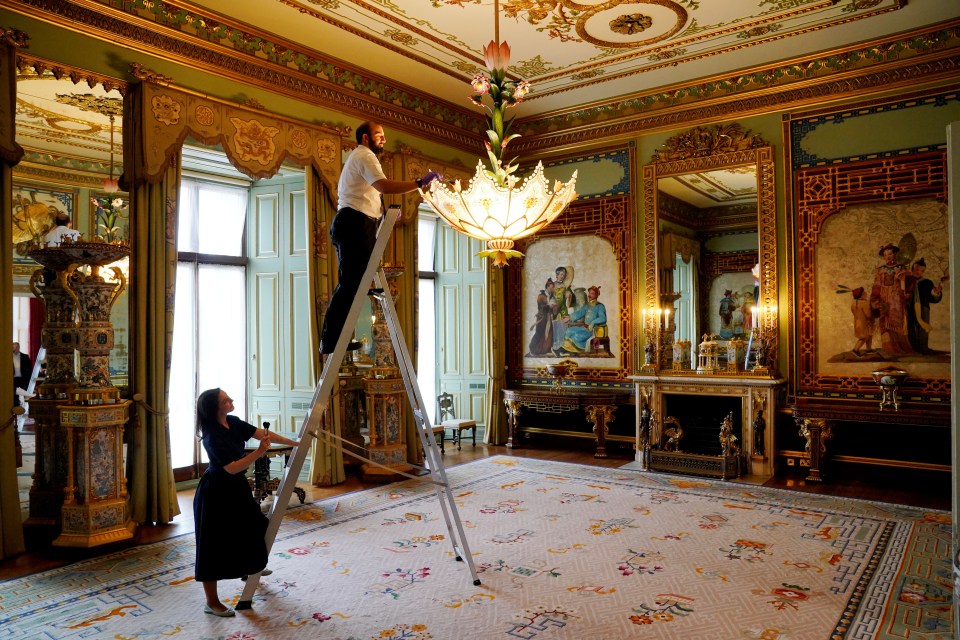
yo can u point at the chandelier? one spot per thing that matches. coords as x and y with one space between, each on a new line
497 206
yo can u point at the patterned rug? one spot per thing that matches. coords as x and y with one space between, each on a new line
562 550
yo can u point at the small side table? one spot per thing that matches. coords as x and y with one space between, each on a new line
261 482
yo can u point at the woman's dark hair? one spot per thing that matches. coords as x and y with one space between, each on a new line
207 405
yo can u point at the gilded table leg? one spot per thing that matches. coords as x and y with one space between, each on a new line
513 411
817 433
599 416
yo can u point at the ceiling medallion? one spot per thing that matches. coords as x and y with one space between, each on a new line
627 25
631 24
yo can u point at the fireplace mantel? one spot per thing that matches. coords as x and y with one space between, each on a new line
756 394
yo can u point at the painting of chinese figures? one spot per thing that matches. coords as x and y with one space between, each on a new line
570 303
732 299
882 298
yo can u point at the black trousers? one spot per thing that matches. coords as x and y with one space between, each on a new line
353 234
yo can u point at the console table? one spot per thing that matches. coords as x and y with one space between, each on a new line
600 405
817 418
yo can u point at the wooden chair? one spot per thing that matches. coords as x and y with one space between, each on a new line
449 420
439 430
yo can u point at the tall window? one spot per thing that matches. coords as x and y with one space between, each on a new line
684 281
427 310
209 332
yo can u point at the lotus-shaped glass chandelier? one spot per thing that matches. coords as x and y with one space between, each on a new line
497 206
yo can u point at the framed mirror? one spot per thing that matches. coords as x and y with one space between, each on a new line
69 123
710 205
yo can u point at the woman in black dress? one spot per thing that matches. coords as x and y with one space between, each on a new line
229 525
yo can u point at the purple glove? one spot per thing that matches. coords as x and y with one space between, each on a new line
424 182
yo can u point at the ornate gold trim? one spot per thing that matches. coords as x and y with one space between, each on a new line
77 75
766 212
14 37
707 141
43 173
141 72
568 137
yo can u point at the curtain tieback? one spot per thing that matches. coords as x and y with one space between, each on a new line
138 399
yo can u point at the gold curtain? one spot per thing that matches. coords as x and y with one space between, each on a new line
405 253
327 463
11 529
496 428
153 269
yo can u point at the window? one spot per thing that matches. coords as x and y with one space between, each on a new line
209 333
427 311
684 281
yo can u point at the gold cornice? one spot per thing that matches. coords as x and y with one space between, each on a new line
853 85
45 174
784 68
77 75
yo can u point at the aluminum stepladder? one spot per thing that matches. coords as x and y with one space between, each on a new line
321 399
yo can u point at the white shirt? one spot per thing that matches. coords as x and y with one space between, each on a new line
56 235
355 189
16 365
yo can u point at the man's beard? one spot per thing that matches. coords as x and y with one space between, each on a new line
373 146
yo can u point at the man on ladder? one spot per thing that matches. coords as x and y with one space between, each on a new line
354 230
360 247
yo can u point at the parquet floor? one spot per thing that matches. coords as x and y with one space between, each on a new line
929 490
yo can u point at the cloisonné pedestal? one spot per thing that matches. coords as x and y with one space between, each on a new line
95 507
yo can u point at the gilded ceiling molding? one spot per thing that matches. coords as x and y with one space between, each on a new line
27 61
359 33
196 41
916 55
585 133
43 173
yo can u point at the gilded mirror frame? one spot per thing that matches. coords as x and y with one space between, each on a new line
706 149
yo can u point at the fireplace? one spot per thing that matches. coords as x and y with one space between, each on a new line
700 417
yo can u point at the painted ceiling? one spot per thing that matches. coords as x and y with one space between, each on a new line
707 189
573 53
70 123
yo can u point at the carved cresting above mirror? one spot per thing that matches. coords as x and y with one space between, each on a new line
710 256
